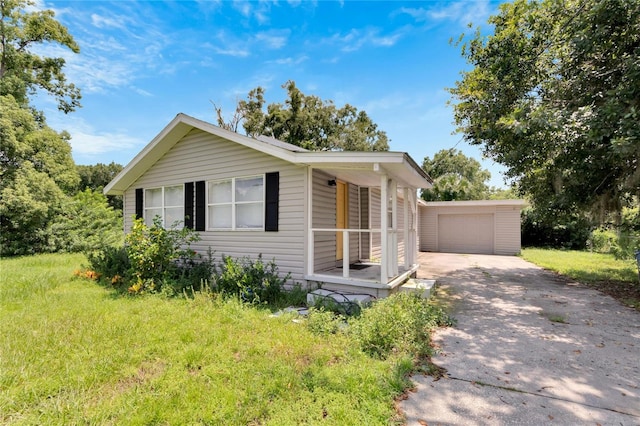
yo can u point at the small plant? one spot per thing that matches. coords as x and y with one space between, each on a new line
321 321
254 281
399 324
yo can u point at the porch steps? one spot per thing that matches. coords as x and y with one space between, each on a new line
422 286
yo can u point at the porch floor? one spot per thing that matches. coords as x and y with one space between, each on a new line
363 277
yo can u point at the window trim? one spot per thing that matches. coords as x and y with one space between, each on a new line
163 207
234 203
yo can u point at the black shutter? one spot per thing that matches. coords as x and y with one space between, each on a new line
139 202
272 189
200 205
188 205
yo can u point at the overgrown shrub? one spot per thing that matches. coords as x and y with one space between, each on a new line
602 240
399 324
254 281
544 229
156 254
112 263
321 321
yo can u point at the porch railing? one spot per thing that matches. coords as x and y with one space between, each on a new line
388 262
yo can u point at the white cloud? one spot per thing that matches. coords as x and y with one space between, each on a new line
462 12
291 61
356 39
274 39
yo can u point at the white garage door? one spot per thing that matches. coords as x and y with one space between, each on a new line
465 233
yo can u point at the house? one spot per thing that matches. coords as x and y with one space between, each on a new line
343 220
482 226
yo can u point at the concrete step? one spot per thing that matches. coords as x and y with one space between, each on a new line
422 286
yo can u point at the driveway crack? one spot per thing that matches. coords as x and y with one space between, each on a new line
512 389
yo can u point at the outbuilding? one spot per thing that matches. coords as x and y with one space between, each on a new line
483 227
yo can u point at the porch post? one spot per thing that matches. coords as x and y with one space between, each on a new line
384 228
393 252
310 236
408 252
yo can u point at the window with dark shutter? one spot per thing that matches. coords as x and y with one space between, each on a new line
272 189
188 205
139 202
201 205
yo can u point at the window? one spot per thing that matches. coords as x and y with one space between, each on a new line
236 203
166 202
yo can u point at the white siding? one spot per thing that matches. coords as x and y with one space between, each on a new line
376 252
353 223
364 223
202 156
506 225
507 230
324 216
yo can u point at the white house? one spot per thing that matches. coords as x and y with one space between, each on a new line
346 220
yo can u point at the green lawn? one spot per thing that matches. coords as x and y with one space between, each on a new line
618 278
72 352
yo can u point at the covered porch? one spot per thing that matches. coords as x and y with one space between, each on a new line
362 223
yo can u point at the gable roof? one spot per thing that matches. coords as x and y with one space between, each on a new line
358 167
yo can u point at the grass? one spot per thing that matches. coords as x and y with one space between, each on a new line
618 278
72 352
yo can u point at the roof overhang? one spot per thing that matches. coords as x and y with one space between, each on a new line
362 168
474 203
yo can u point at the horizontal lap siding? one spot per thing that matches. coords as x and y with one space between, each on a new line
354 223
202 156
324 216
375 223
507 230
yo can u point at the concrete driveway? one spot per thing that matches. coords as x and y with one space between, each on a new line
528 349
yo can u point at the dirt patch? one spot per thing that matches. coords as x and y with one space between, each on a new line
625 293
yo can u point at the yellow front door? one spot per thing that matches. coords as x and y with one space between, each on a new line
341 215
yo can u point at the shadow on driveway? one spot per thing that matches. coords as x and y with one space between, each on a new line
528 348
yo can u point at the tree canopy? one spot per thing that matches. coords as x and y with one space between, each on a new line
307 121
23 72
455 177
554 95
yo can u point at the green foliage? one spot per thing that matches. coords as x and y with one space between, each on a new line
252 280
541 229
602 240
73 354
85 223
321 321
113 264
36 169
307 121
554 95
156 253
399 324
455 177
96 177
22 71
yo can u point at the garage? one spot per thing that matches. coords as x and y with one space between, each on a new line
479 227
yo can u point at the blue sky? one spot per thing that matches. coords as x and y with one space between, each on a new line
142 62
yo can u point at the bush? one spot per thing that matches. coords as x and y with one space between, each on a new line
321 321
112 263
602 240
399 324
253 281
543 229
157 255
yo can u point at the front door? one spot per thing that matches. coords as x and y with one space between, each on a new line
341 215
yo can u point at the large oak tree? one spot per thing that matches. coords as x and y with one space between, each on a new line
307 121
554 95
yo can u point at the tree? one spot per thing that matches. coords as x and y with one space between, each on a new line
554 95
308 122
455 177
36 173
96 177
22 71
